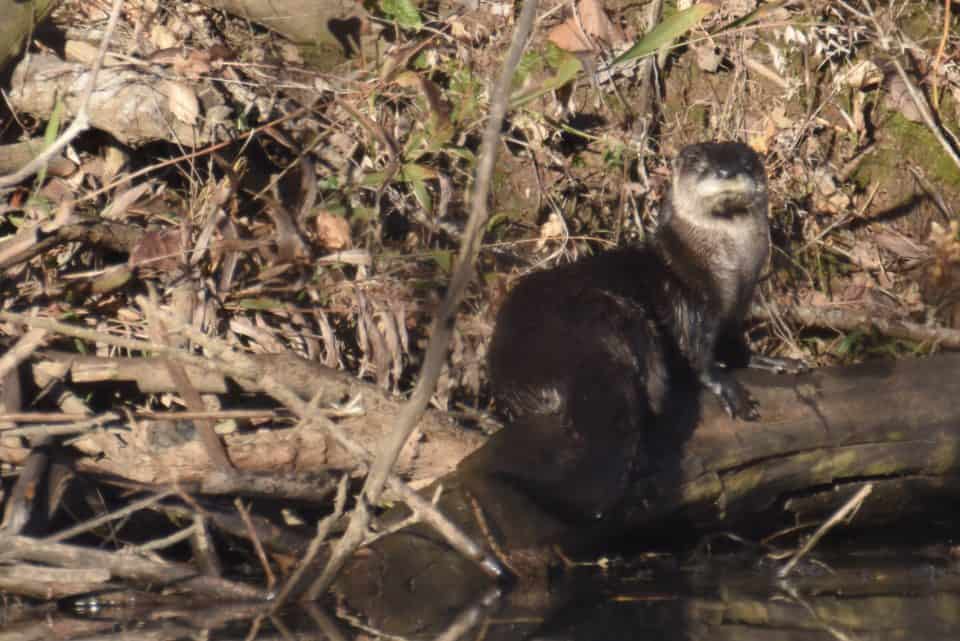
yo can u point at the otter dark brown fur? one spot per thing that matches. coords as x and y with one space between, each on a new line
587 356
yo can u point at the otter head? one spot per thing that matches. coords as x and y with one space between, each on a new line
715 183
716 221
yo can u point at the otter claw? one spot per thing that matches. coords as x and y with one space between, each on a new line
734 398
778 365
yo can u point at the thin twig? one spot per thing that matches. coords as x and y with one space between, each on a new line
323 531
86 526
223 358
850 319
442 327
20 352
938 59
257 545
854 503
81 122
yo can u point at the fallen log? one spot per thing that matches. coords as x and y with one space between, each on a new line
149 451
821 436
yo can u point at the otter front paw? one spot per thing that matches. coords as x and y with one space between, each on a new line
736 400
778 365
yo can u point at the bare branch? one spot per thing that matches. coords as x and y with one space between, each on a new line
442 328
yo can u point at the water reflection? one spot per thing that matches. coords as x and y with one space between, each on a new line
877 593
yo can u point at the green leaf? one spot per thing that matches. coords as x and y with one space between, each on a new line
53 125
463 154
417 175
443 259
412 171
666 32
403 12
373 179
850 343
260 303
567 67
50 135
423 195
328 183
496 219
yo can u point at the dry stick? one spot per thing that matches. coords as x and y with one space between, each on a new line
60 429
123 566
20 352
209 438
323 531
19 507
158 415
857 319
854 503
86 526
442 327
938 59
168 541
441 331
247 370
81 121
257 545
95 336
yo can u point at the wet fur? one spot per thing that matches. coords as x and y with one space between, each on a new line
588 356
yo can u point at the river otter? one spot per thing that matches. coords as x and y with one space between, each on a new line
586 357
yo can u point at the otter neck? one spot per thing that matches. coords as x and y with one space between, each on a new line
725 256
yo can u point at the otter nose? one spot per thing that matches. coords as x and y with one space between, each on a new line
725 172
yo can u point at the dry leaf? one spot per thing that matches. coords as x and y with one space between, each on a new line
596 26
552 229
162 38
827 197
774 121
333 232
897 99
902 247
568 37
123 200
114 160
182 102
760 142
291 53
194 64
158 249
863 74
708 57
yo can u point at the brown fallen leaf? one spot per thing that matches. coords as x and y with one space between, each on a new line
569 37
597 27
597 24
333 232
159 250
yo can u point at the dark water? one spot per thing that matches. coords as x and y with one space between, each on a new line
840 594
